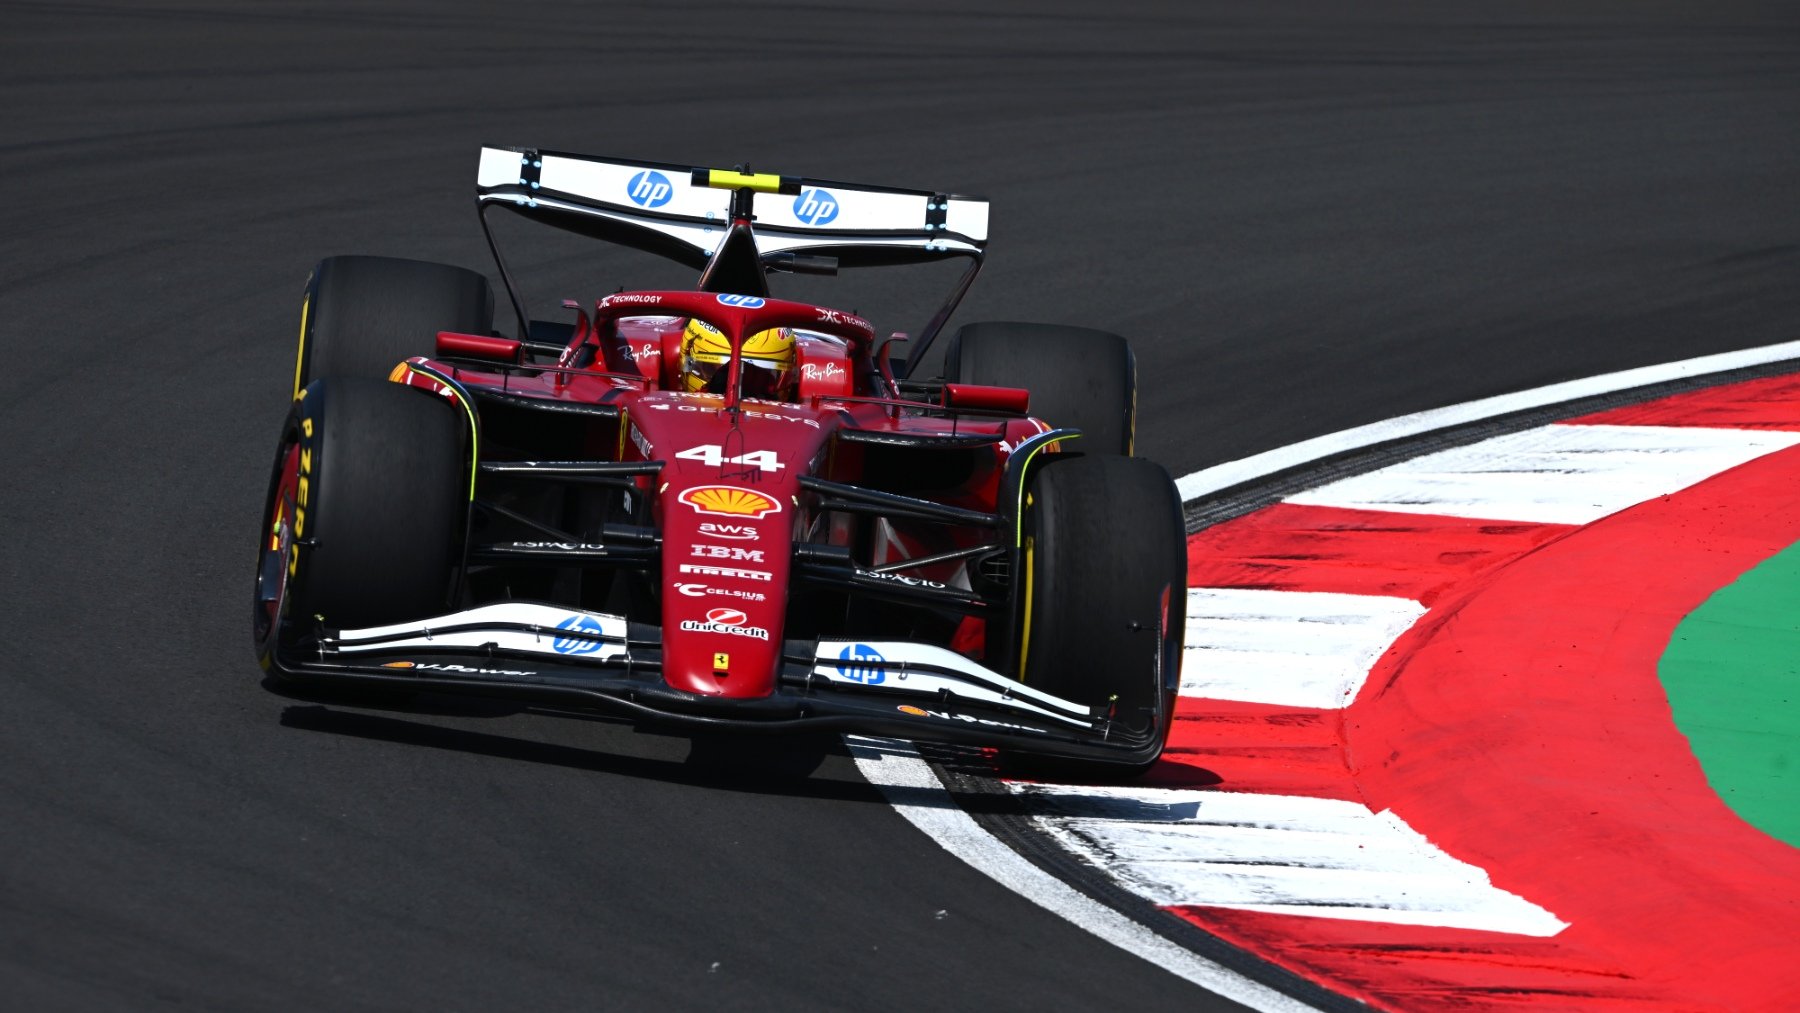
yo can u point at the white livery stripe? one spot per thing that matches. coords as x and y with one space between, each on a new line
1276 853
1556 474
1292 648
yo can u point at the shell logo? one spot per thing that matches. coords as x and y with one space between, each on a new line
729 501
397 664
914 711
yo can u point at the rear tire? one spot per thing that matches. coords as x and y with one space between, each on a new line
366 512
1079 378
363 315
1105 579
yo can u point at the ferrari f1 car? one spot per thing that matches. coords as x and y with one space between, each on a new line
719 509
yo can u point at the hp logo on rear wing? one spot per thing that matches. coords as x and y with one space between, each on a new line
650 189
815 207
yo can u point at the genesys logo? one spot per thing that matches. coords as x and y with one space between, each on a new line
557 546
433 666
739 532
729 501
726 571
815 207
747 302
702 591
578 645
968 719
649 189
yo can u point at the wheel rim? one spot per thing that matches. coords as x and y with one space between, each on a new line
276 544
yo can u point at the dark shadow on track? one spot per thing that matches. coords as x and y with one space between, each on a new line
758 766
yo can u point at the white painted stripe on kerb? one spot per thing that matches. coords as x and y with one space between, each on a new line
1554 474
1291 648
915 792
910 786
1256 466
1276 853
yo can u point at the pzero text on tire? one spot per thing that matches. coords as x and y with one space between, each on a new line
1079 378
364 314
366 510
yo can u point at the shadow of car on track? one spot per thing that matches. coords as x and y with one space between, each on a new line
767 765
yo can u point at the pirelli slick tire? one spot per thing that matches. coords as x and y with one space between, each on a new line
363 315
1079 378
365 516
1105 598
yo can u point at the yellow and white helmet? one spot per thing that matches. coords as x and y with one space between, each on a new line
768 361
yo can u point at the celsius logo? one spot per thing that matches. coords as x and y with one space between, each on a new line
815 207
578 645
649 189
862 663
748 302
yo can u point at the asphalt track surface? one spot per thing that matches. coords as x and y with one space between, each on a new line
1307 216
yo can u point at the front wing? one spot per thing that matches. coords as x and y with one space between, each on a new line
546 654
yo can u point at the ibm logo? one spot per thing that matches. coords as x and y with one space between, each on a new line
862 663
815 207
649 189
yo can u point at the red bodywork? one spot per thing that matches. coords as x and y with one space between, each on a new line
728 503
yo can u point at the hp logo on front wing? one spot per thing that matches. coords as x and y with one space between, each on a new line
815 207
862 663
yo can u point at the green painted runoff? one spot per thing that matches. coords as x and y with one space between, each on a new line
1732 674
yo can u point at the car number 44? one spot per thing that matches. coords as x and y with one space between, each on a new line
714 455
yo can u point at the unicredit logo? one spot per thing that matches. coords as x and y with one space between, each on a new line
726 617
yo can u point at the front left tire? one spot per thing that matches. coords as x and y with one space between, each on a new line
365 514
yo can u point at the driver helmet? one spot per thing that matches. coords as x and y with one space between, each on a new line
768 361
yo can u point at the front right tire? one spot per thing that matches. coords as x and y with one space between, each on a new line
1105 586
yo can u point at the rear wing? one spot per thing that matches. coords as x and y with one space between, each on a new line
674 211
687 214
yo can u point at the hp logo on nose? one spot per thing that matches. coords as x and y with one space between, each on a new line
862 663
815 207
650 189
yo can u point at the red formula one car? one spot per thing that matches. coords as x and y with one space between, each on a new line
715 508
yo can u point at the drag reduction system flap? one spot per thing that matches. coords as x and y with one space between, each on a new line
683 212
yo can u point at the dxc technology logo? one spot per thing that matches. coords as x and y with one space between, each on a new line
815 207
578 645
862 663
650 189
